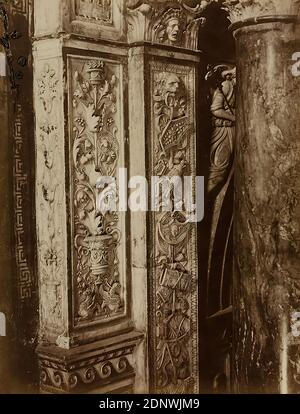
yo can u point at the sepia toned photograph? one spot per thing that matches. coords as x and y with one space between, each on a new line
149 199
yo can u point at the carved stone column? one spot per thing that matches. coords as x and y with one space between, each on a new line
267 191
87 337
163 77
115 87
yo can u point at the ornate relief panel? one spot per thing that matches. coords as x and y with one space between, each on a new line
50 197
98 18
173 271
99 10
97 149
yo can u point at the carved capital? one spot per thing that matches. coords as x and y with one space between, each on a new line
249 9
172 23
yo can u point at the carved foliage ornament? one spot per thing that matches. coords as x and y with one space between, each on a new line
49 198
95 154
174 275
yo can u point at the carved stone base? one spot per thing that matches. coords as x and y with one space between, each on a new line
106 366
266 285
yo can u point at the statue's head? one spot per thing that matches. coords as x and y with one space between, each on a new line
172 30
172 24
229 75
220 75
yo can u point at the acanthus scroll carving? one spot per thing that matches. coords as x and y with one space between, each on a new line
95 155
174 263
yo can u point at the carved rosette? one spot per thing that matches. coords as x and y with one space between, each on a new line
173 287
241 10
96 153
172 23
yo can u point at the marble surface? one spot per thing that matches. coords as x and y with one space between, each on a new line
267 210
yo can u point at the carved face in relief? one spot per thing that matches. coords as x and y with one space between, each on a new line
172 83
173 30
170 26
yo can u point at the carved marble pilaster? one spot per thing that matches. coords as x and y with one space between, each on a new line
164 268
173 243
83 258
50 191
168 282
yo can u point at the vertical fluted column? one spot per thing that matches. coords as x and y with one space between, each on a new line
267 193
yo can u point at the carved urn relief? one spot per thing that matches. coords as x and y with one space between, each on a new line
95 155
